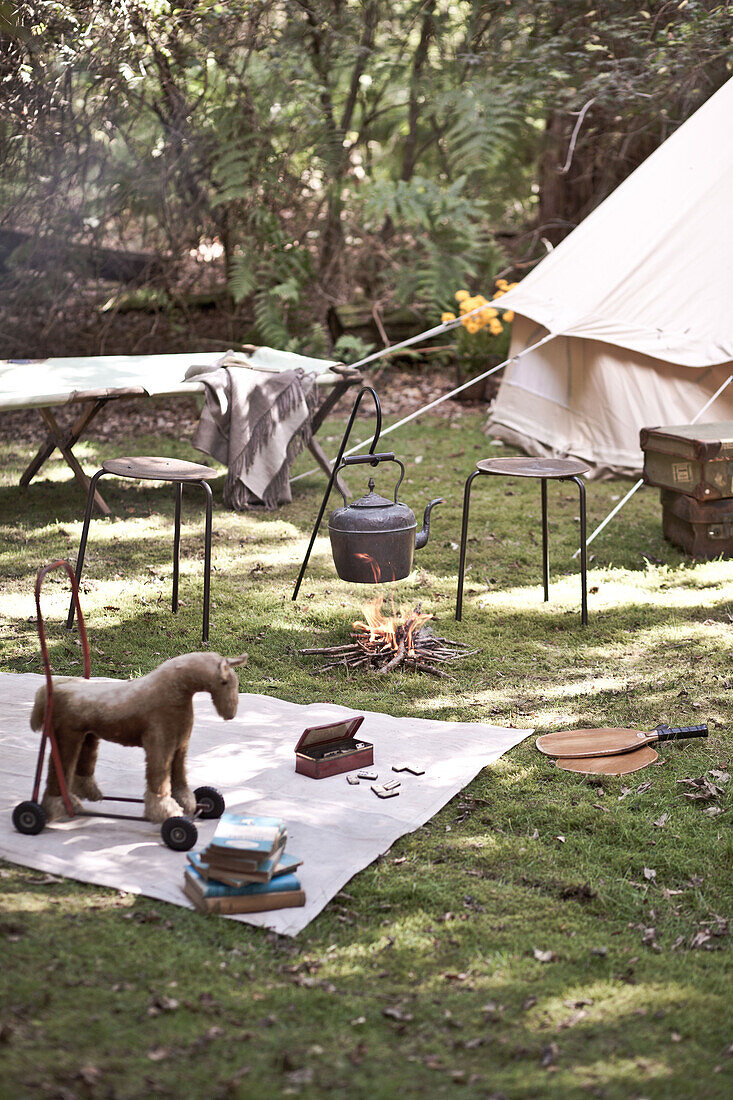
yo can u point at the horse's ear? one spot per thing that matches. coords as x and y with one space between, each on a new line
241 660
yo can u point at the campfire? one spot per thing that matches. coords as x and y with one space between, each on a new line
382 643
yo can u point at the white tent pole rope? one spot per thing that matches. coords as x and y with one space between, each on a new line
640 482
444 326
438 401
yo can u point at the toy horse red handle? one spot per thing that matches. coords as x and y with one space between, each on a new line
47 734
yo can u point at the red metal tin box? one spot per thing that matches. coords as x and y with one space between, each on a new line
332 749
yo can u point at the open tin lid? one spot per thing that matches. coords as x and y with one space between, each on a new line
335 731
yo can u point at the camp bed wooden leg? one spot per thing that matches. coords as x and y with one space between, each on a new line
65 442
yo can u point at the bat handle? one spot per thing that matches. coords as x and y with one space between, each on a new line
676 733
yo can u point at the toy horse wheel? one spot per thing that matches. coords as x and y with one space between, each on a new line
209 802
179 833
29 818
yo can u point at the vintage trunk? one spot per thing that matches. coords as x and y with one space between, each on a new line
332 749
703 529
695 459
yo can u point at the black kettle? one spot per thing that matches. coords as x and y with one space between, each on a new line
374 539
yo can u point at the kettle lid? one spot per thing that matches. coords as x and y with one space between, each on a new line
372 499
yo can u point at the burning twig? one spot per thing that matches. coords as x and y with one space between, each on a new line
396 660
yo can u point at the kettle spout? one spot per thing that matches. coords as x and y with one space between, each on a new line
422 536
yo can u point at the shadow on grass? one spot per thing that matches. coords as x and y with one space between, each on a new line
217 995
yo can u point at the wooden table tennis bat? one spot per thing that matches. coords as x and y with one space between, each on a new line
620 764
608 742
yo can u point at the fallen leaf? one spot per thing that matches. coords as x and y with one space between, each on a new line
549 1055
650 874
89 1074
662 821
573 1019
544 956
302 1076
395 1012
648 938
158 1054
702 788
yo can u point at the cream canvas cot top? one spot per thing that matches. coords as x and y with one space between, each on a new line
29 383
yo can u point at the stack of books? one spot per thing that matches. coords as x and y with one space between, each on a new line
245 868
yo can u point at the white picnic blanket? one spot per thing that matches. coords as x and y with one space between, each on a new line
337 829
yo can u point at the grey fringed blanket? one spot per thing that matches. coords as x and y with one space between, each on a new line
255 423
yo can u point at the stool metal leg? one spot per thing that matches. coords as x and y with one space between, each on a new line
583 554
207 558
545 543
83 543
464 534
176 545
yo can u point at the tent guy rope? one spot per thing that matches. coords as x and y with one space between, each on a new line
443 397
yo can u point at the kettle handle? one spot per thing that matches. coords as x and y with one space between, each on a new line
373 460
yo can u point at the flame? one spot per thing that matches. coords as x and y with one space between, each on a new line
389 632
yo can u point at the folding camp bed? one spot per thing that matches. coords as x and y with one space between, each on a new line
89 383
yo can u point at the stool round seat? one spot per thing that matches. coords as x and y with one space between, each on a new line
154 468
532 467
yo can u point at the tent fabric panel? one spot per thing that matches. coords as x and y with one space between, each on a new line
651 268
584 399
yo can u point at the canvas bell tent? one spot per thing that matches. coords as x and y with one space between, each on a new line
639 301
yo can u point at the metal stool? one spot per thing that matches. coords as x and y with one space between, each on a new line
556 469
146 468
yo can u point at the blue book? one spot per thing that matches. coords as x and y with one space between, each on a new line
248 835
281 892
280 863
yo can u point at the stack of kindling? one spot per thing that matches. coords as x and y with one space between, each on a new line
244 869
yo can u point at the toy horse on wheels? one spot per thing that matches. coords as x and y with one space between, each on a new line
153 712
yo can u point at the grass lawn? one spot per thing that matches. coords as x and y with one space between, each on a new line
546 935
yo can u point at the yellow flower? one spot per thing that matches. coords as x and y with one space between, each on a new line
509 316
445 317
461 295
495 327
502 284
